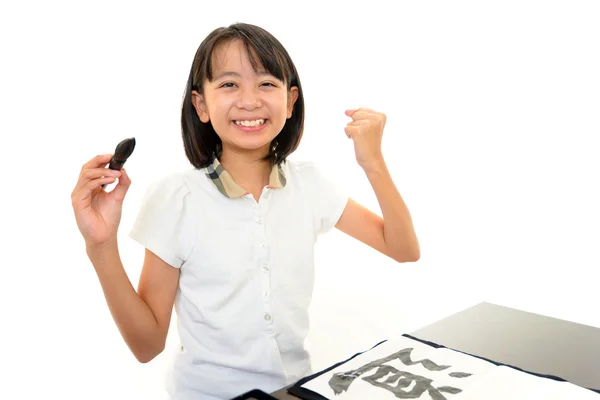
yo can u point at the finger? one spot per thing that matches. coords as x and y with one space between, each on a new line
360 114
122 187
99 172
98 161
88 189
359 122
377 119
365 113
89 174
351 131
357 113
351 111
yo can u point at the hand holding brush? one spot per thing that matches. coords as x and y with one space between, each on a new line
97 212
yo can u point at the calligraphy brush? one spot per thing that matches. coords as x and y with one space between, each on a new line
122 153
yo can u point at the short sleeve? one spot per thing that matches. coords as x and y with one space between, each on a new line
330 200
163 224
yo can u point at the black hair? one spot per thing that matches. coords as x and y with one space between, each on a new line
200 140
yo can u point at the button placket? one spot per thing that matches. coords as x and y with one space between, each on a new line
264 265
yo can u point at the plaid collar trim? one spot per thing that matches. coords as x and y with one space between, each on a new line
229 188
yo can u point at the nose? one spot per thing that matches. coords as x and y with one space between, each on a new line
249 99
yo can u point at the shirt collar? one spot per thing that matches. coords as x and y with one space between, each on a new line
229 188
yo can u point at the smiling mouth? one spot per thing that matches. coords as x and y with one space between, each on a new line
249 124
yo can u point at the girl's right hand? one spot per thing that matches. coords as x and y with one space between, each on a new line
97 212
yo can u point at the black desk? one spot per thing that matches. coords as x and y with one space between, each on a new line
525 340
532 342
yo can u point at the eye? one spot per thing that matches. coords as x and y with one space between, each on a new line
227 85
268 84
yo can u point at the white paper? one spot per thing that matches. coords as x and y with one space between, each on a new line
404 368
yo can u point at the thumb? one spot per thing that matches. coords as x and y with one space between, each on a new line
350 111
122 187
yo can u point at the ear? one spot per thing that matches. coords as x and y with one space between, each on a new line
200 106
292 97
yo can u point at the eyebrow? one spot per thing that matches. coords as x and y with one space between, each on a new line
237 75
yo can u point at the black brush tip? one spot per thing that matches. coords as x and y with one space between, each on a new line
124 149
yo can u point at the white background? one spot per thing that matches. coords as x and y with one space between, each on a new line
493 121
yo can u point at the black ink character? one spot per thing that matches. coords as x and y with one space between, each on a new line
340 382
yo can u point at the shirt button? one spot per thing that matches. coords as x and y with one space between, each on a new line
266 294
258 221
267 317
265 268
263 245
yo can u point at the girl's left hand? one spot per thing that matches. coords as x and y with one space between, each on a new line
366 130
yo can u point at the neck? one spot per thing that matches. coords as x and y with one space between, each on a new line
248 169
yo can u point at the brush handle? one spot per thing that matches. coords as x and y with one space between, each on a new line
114 165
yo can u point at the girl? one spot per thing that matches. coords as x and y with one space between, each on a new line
229 243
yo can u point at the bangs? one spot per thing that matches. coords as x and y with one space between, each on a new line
263 56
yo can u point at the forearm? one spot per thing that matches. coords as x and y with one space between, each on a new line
399 233
132 315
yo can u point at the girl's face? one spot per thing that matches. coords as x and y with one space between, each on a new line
246 109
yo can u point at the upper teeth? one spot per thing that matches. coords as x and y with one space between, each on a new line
250 123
